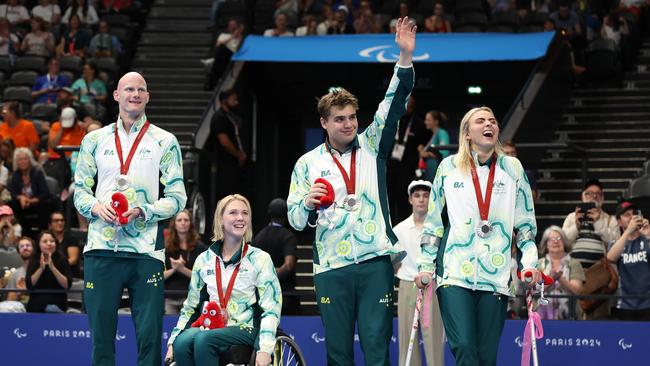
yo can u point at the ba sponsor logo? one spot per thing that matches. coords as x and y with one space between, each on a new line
90 285
498 187
19 333
109 152
325 300
325 173
209 272
459 185
144 153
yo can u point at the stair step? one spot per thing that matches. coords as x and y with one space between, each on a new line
158 64
163 39
567 206
576 183
572 194
564 173
195 94
194 71
167 50
615 92
622 134
610 125
576 163
607 116
611 108
174 12
176 79
172 118
186 102
609 100
612 153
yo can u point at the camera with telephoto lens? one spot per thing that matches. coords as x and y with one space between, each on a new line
586 223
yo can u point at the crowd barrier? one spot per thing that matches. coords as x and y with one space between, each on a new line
64 339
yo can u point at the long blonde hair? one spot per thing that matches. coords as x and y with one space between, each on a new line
464 156
218 233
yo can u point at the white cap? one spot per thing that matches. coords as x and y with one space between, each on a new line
68 117
418 183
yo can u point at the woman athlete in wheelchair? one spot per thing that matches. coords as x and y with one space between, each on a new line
242 283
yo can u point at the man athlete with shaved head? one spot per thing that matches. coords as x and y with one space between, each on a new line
131 157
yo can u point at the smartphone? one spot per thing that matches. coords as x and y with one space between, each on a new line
638 212
586 206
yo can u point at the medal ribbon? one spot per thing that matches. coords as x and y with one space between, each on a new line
483 206
124 166
223 300
350 181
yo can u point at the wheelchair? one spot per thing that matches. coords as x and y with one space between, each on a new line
286 353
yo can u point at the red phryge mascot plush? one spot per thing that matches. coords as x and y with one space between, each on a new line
211 317
327 200
120 205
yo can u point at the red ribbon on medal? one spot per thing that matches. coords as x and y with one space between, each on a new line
350 181
223 300
483 206
124 166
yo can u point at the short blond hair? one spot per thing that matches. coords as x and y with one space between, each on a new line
337 97
218 233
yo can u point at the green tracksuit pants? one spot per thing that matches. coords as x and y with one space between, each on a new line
202 347
105 278
473 323
359 293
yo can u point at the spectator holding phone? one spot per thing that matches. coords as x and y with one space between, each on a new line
591 208
630 253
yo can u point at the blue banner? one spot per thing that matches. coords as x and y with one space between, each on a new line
439 47
55 339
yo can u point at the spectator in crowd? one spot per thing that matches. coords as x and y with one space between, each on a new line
38 42
225 46
312 6
567 272
404 160
49 11
5 196
567 20
67 131
328 21
29 192
290 8
403 12
86 13
510 149
74 40
408 233
438 22
47 86
431 158
280 29
117 6
16 301
7 147
365 21
91 91
614 27
604 225
280 243
501 6
21 131
309 27
69 244
48 270
14 12
10 230
65 98
9 41
225 127
254 320
631 254
340 24
182 246
104 44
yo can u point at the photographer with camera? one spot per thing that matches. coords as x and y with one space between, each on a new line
630 254
590 211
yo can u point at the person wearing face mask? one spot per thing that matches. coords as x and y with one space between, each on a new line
354 241
241 279
48 270
604 224
408 232
486 196
226 130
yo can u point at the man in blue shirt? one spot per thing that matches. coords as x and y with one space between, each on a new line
46 86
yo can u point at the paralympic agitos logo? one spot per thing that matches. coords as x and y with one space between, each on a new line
388 53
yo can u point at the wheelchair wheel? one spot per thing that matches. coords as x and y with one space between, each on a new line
287 352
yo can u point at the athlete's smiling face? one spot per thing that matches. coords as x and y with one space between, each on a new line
483 131
341 126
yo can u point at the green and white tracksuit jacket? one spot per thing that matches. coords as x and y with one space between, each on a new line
466 260
365 233
158 156
256 299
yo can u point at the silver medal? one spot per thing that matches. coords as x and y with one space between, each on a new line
122 182
351 202
484 229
